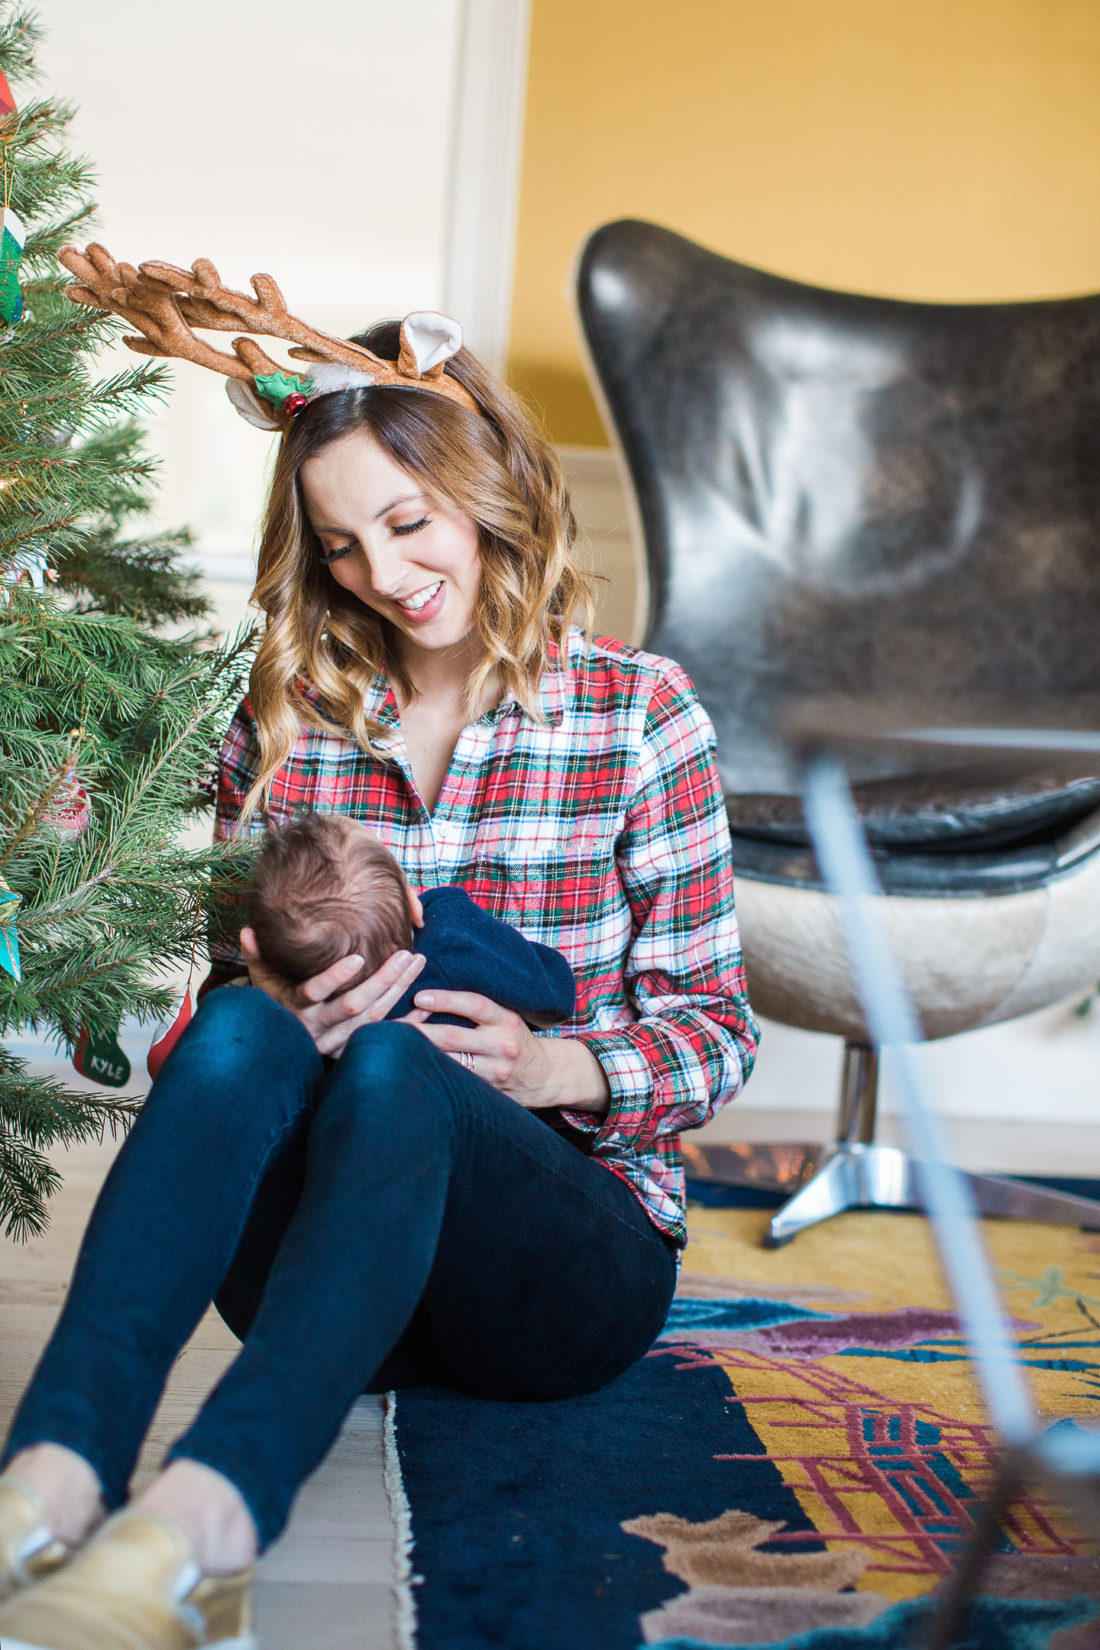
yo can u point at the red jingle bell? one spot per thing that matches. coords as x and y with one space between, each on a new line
294 404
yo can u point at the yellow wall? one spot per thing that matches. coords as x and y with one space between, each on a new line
916 148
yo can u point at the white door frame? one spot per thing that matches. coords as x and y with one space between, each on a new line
483 194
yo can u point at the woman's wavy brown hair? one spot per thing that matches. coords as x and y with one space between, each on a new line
498 469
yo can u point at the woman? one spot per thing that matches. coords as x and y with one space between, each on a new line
378 1204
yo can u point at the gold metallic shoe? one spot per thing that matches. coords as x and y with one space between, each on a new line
135 1586
28 1548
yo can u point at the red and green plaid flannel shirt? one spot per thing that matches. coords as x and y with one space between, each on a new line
600 831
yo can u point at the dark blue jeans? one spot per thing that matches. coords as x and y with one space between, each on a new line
392 1221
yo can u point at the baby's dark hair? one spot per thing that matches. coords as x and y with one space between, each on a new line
320 891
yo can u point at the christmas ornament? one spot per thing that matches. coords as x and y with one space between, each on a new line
165 1041
35 570
70 812
13 236
31 564
101 1059
11 251
9 937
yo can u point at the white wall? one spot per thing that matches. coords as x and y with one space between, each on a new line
312 141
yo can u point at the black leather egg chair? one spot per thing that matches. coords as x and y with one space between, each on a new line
855 496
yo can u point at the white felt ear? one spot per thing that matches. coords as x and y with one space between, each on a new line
432 338
252 406
333 375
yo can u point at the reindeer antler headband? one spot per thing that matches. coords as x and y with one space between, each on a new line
166 304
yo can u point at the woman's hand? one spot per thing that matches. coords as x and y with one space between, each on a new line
533 1071
330 1020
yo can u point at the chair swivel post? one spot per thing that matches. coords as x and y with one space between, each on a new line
858 1108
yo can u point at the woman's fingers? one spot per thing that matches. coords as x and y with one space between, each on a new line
329 1013
450 1039
375 997
499 1047
333 1037
332 1023
459 1044
470 1004
321 986
495 1041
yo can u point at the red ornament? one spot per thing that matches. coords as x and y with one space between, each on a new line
71 811
294 404
163 1044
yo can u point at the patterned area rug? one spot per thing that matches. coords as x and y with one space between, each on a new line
796 1463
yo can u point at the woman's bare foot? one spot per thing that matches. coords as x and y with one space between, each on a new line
67 1484
211 1510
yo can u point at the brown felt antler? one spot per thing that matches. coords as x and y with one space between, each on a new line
151 308
203 301
165 304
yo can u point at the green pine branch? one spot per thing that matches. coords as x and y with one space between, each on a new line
93 687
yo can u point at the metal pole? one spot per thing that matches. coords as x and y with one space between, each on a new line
850 874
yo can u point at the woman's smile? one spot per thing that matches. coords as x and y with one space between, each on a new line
425 605
400 550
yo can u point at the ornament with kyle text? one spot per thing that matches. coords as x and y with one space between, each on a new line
100 1058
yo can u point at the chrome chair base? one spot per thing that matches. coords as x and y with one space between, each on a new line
852 1172
827 1180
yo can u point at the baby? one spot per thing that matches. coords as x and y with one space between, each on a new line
325 886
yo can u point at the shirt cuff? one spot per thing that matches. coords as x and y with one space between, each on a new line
630 1080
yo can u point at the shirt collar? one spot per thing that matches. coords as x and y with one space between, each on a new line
550 695
378 699
381 706
379 702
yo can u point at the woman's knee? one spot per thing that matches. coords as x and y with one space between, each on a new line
241 1023
389 1063
389 1047
240 1051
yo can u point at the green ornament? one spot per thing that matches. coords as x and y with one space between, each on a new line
11 251
276 386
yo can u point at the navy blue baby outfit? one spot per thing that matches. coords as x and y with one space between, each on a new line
468 950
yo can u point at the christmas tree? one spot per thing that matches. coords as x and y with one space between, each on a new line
107 724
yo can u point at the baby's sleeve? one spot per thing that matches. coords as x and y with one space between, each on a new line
479 953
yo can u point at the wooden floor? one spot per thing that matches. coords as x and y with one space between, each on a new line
326 1584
